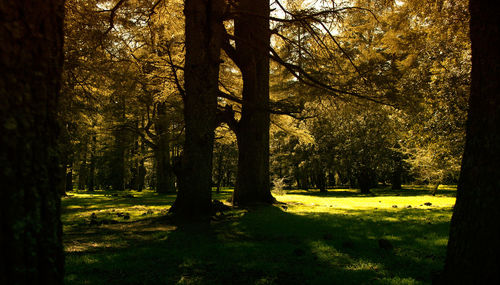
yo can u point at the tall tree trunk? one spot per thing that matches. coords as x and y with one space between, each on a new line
31 56
252 43
203 32
473 255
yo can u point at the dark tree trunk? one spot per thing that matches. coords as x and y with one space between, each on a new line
318 174
82 170
134 165
321 182
69 179
220 169
118 162
365 180
203 32
91 179
141 175
396 178
31 56
165 177
252 43
473 255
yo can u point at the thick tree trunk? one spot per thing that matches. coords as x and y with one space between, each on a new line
204 30
252 42
31 36
365 180
321 182
396 180
473 255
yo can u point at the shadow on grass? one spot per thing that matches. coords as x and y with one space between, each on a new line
268 245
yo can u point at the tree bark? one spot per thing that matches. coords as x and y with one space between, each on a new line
31 56
141 175
203 32
118 161
91 179
397 172
365 180
165 178
252 43
69 179
82 170
473 255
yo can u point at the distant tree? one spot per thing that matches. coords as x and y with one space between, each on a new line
473 248
31 58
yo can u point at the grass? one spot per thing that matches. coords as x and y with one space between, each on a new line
312 239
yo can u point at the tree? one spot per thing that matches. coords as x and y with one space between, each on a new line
473 248
203 32
252 41
31 58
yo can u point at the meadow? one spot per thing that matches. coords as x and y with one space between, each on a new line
341 237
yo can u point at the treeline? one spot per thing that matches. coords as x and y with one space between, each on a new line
357 96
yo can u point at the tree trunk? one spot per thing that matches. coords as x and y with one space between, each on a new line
118 162
142 169
220 169
91 179
473 255
69 179
321 182
365 180
397 171
396 180
165 178
252 43
203 32
31 59
82 170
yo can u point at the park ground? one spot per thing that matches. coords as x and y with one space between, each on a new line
341 237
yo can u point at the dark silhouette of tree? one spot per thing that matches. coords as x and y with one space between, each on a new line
473 248
31 57
203 32
252 41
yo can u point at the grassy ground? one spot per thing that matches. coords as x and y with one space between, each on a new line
314 238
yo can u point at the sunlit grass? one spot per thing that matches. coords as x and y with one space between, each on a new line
311 238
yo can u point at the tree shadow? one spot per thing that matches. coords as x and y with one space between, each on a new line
267 245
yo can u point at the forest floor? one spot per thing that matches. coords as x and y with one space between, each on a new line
342 237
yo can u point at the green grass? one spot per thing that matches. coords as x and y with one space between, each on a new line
312 239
